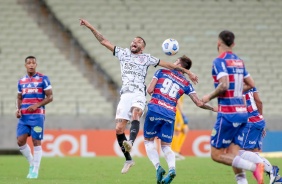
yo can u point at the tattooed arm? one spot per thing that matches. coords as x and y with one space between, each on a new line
98 35
200 103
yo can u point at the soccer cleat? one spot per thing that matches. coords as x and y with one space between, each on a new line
29 171
160 173
273 174
258 173
178 156
33 175
169 177
278 181
127 165
127 145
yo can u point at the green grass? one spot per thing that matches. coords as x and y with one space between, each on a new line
106 170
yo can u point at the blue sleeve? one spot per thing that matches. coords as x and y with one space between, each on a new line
19 87
255 90
157 74
46 83
219 65
189 89
246 73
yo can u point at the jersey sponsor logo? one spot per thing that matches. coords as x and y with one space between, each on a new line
252 142
226 141
37 129
30 90
151 133
241 138
160 119
213 133
165 105
241 109
166 136
234 62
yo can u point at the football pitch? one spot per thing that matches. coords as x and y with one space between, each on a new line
106 170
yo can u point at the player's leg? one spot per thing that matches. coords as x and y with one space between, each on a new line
253 142
136 110
223 136
121 138
176 136
122 117
166 135
37 135
22 134
151 128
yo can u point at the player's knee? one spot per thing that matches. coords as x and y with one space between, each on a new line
21 142
136 113
119 129
215 157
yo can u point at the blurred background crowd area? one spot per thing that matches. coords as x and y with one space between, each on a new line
86 76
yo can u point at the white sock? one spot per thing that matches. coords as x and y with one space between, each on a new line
37 158
152 153
169 156
241 178
241 163
267 165
250 156
25 150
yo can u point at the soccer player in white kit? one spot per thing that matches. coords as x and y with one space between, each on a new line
134 65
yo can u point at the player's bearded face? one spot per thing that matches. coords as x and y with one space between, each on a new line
136 46
30 65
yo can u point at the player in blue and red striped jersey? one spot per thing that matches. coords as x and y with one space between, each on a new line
254 131
166 87
229 74
34 92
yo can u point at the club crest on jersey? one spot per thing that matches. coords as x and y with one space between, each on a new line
37 77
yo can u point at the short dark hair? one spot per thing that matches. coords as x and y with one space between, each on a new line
227 37
142 40
29 57
185 62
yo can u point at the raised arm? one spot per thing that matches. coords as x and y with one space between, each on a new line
168 65
98 35
200 103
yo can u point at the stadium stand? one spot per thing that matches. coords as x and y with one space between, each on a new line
257 25
20 37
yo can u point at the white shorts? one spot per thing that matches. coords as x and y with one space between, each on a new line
127 101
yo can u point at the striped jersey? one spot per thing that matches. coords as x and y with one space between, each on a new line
230 103
254 115
171 85
32 90
134 69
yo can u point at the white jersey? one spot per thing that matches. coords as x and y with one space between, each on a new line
134 69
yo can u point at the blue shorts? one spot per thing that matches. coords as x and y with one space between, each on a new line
33 127
157 125
225 132
253 135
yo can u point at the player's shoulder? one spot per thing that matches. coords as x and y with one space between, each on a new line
23 78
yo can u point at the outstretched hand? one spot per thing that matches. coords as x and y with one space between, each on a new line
193 77
84 22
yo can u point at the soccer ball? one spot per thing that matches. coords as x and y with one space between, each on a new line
170 46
